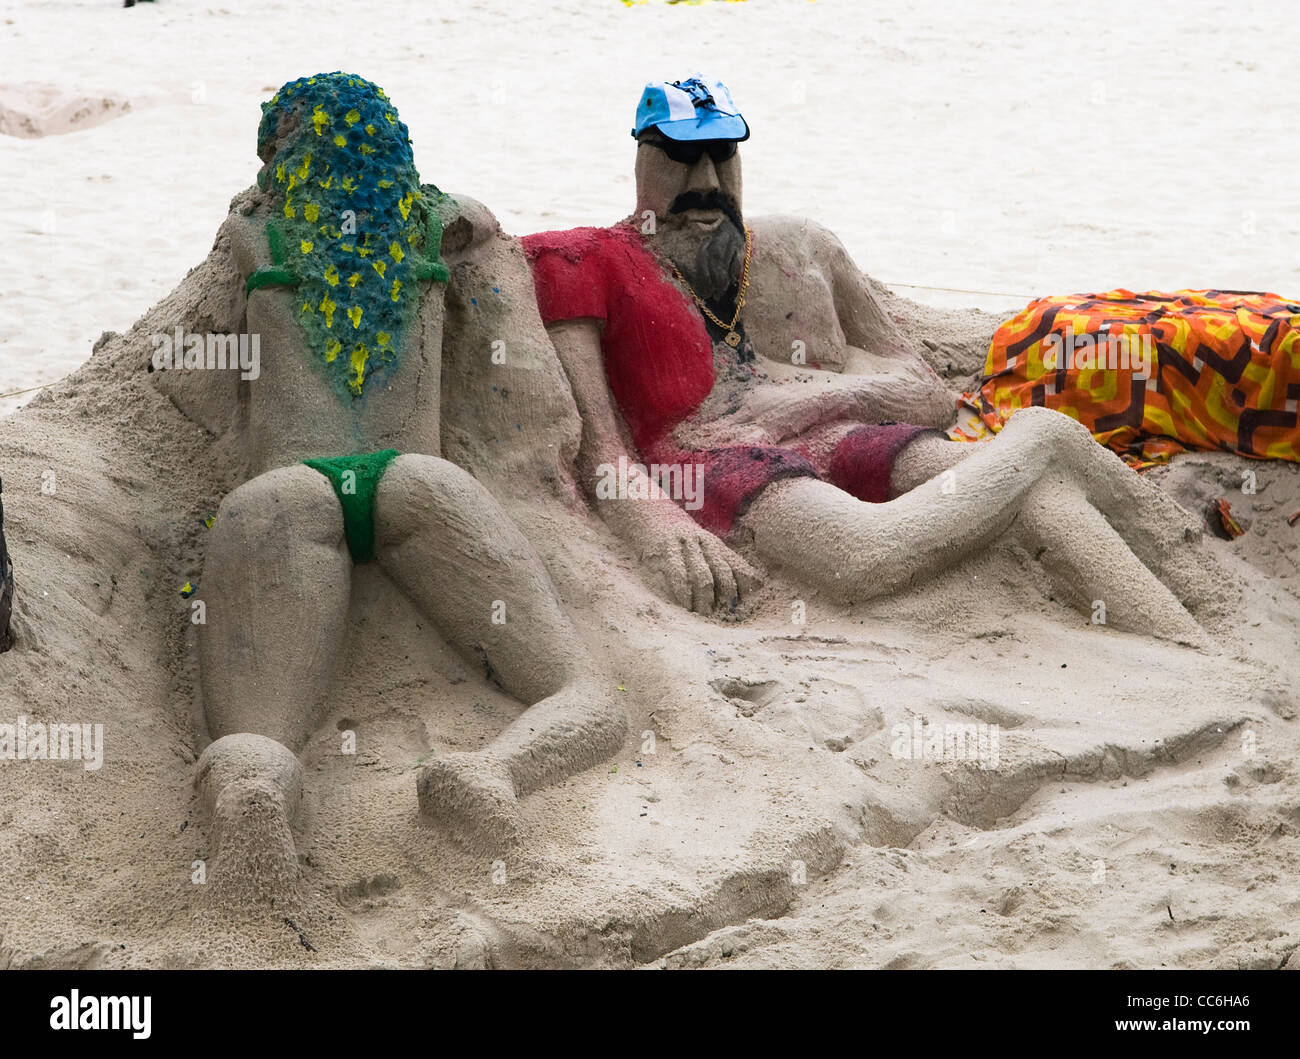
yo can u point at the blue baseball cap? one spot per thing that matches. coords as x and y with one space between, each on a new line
694 109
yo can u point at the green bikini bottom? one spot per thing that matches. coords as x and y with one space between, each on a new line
355 479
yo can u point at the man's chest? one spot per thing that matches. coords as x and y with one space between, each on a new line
790 313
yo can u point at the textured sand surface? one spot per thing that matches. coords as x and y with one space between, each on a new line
757 812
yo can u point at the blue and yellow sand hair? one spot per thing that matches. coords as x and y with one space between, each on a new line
350 230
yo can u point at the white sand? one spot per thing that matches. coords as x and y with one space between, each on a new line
1037 149
772 740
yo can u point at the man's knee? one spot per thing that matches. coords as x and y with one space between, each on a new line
288 502
1054 430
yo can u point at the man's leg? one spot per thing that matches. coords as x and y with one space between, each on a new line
1098 528
276 582
1164 536
451 547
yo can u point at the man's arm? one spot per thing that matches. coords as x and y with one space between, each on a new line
878 350
701 572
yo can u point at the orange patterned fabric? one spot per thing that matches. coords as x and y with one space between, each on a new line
1151 374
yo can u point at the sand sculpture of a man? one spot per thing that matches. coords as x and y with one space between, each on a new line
757 353
339 256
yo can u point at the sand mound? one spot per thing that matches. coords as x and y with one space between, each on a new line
759 812
31 110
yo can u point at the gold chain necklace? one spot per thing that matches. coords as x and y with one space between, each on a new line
732 337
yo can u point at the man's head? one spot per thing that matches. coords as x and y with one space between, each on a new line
688 176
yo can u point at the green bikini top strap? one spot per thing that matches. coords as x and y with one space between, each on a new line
432 266
277 274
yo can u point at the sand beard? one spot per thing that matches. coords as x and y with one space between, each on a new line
710 260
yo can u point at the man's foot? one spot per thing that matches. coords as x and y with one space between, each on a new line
251 786
474 796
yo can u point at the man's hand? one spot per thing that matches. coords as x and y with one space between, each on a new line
701 573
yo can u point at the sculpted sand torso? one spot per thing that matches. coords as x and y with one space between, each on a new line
790 303
804 381
398 409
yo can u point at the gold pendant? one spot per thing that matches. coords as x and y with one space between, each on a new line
732 339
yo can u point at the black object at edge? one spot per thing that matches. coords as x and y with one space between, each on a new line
6 584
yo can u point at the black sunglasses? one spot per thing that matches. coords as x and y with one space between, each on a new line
688 152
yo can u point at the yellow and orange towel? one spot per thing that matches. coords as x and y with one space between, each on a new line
1151 374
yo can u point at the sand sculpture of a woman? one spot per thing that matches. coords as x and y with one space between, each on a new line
339 256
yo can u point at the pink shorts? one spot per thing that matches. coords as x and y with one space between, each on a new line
858 459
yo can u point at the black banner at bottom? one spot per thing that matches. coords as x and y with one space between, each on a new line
139 1008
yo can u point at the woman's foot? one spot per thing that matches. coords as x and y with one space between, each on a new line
255 861
251 787
474 796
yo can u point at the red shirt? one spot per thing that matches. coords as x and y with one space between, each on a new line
659 366
658 355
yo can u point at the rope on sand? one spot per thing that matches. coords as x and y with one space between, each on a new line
960 290
30 389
